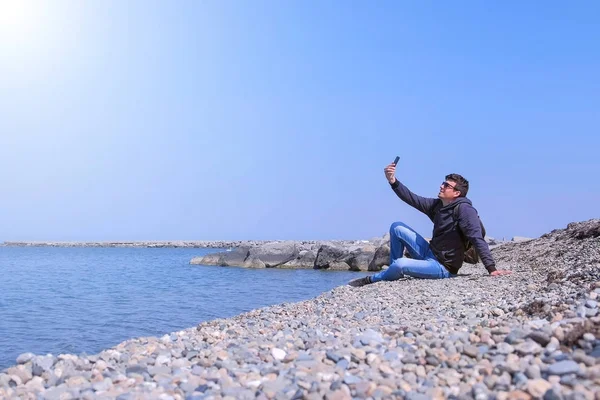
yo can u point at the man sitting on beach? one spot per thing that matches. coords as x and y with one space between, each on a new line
453 218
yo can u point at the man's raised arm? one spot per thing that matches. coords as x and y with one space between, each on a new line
423 204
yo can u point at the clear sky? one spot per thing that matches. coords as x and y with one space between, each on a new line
201 120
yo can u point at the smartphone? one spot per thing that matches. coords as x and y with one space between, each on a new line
396 160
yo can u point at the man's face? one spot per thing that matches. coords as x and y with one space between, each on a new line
448 191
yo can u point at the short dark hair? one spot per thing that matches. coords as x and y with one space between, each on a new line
462 185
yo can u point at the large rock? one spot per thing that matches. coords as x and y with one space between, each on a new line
305 259
360 258
338 266
235 257
253 262
381 258
329 254
275 253
380 240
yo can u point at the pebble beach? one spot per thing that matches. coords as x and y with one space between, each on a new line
530 335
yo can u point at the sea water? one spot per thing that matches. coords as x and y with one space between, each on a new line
83 300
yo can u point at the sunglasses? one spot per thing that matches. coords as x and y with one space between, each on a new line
446 185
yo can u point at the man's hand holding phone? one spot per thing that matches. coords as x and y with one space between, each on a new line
390 171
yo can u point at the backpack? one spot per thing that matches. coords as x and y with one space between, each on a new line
471 256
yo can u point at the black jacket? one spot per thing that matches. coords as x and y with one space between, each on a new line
446 242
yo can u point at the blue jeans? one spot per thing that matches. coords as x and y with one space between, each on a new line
423 264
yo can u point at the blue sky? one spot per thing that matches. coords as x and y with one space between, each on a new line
201 120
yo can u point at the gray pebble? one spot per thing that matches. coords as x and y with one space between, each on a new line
591 303
24 358
563 368
351 379
552 394
540 337
343 363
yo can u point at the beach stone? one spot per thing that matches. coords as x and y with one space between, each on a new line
528 347
358 354
504 348
416 396
342 364
158 370
333 356
581 357
364 389
589 337
22 372
25 358
552 394
431 360
470 351
338 395
540 337
41 364
497 311
591 303
351 379
370 336
533 372
278 354
559 333
563 368
136 369
102 385
538 387
57 393
591 312
36 384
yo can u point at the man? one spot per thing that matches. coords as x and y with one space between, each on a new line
453 216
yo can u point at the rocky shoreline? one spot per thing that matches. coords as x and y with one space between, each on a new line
357 255
533 334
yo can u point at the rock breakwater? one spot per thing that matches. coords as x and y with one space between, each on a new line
358 255
215 244
531 335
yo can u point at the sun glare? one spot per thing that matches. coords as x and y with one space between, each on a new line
16 18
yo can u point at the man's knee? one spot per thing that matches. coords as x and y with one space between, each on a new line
397 225
399 229
397 268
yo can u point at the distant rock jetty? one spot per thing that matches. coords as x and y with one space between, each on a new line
215 244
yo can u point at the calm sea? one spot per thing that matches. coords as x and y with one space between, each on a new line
83 300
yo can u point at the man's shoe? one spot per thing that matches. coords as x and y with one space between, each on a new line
360 281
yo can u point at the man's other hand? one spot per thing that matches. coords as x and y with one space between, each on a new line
501 272
390 173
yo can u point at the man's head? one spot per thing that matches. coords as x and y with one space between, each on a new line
453 187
